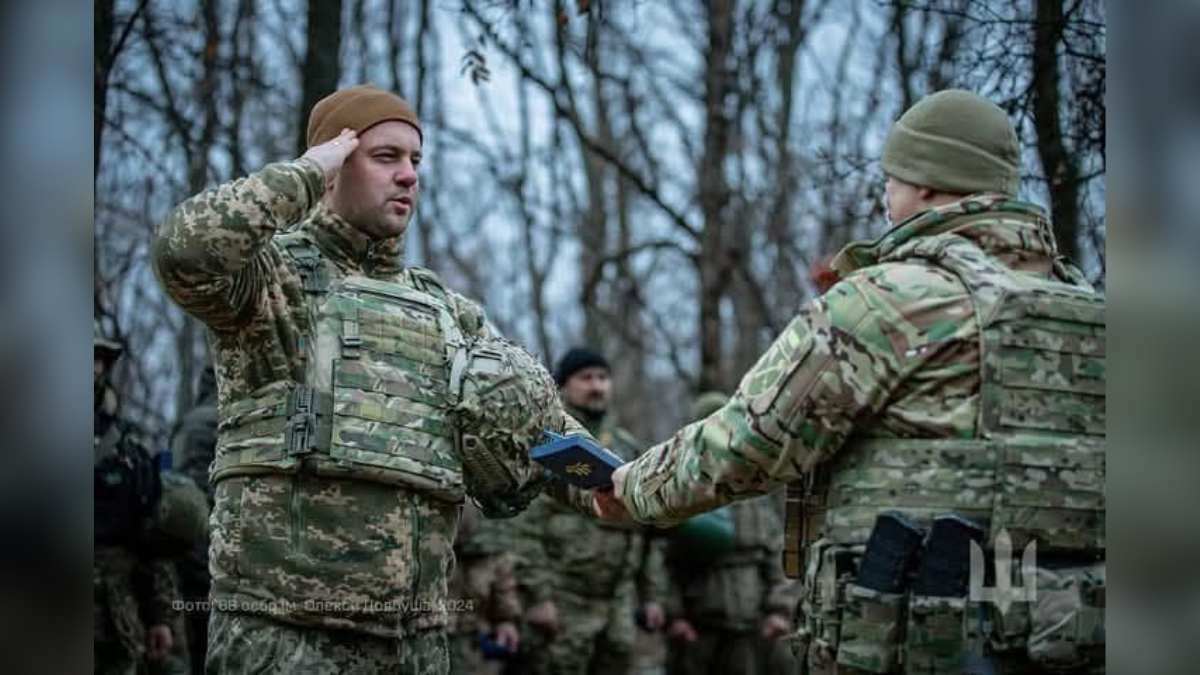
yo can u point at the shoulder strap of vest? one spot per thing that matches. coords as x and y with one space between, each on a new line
804 510
308 259
427 281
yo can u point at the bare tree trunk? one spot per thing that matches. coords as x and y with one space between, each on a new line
429 107
537 273
321 60
422 76
904 63
206 95
593 227
103 42
787 290
1062 174
714 190
241 44
942 69
191 334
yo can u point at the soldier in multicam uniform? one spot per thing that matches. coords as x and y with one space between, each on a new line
728 611
483 591
957 368
133 589
584 582
359 402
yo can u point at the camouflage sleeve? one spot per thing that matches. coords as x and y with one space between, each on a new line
504 601
209 251
162 589
563 492
531 563
653 584
834 366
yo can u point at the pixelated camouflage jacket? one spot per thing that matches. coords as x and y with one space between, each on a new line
892 351
350 554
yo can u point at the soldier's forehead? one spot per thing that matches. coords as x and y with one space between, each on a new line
392 133
590 371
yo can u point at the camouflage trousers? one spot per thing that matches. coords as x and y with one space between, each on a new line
118 637
595 636
247 643
734 652
466 659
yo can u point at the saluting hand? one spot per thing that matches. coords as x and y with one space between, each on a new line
332 154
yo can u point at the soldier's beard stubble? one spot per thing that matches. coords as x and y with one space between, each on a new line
386 223
596 404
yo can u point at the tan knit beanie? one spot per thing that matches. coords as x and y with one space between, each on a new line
358 108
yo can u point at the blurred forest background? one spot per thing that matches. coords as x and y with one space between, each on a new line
652 178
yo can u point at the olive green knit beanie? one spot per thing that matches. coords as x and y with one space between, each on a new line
956 142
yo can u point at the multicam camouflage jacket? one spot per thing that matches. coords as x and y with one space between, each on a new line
958 368
254 259
893 351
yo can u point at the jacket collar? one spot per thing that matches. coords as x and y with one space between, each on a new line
351 249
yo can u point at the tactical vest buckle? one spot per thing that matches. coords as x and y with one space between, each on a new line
301 439
351 339
302 423
351 347
310 275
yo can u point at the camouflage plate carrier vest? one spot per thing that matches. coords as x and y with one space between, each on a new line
1035 472
376 391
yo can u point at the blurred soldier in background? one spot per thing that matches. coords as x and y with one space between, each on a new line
732 601
586 585
142 519
485 606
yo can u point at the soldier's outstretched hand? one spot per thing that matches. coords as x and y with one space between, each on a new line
609 504
332 154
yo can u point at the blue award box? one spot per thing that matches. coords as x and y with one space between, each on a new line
578 460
